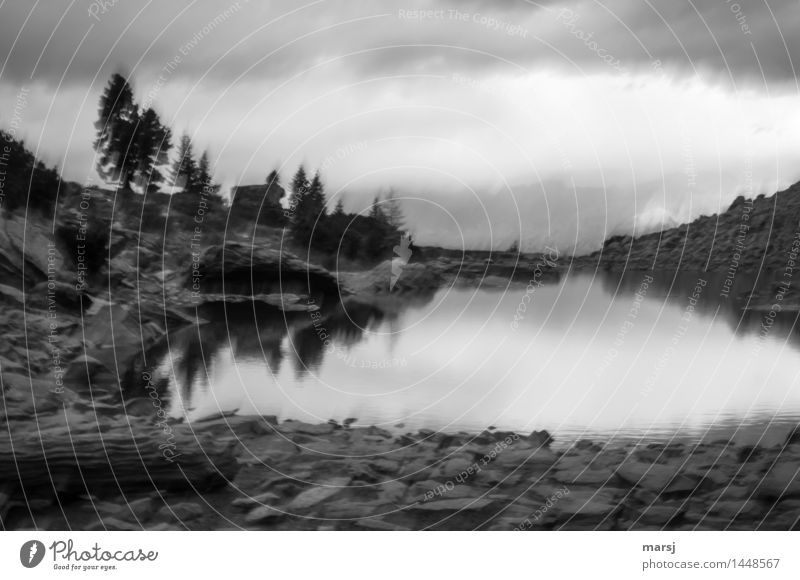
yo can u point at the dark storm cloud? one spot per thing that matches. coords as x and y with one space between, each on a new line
734 41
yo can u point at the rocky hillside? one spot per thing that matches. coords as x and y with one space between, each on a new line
751 235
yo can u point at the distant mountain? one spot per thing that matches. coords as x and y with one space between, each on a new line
751 235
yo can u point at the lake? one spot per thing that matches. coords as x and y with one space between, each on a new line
641 356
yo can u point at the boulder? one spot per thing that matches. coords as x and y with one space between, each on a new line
12 296
656 477
27 246
66 296
24 396
540 438
783 480
324 490
262 514
183 511
454 505
245 269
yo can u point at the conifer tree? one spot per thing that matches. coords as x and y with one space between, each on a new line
184 170
114 143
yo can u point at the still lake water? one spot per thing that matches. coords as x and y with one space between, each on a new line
597 355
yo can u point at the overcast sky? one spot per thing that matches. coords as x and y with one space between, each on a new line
558 122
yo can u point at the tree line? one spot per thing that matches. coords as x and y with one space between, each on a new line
132 146
353 235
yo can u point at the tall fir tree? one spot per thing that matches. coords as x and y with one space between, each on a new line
184 169
116 128
309 212
153 142
299 187
376 211
205 175
273 179
315 200
394 211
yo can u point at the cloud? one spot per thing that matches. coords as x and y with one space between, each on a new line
738 42
447 98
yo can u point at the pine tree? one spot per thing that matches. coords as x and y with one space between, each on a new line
24 180
205 177
376 212
315 200
300 188
153 141
184 169
309 213
116 133
394 212
338 211
273 179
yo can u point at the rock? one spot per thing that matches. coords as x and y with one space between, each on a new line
140 509
530 456
579 504
417 470
656 477
264 425
6 492
25 396
256 500
269 451
262 514
502 476
454 504
713 477
392 491
793 437
540 438
587 445
113 524
385 466
315 495
586 475
306 428
731 509
234 265
161 527
140 407
12 296
286 302
448 441
417 491
183 511
23 239
455 466
66 296
376 524
783 480
660 515
749 453
731 492
85 365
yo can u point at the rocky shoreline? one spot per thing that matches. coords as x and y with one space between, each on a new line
79 455
243 472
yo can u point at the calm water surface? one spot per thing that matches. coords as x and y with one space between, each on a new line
639 356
